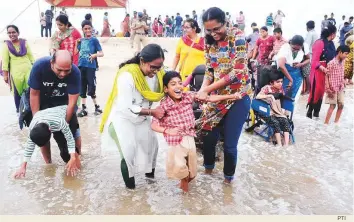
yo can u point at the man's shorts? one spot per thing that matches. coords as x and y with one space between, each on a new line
337 98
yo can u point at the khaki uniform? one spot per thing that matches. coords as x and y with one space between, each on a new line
140 35
132 32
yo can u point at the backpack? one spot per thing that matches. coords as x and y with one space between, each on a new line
25 111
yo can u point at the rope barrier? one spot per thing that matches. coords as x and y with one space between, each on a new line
19 14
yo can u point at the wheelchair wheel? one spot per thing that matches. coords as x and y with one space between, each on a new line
252 117
251 121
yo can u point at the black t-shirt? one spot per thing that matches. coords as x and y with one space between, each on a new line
53 91
49 15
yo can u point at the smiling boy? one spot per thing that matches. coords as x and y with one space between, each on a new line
178 128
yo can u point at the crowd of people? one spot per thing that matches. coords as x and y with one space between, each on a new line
54 86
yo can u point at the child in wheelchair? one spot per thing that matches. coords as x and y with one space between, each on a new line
273 93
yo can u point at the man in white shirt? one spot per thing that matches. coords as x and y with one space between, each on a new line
278 19
341 24
311 35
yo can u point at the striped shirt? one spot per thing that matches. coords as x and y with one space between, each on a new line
55 118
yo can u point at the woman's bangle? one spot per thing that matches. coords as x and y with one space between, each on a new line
165 130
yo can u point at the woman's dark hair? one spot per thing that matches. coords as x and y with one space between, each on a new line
327 31
40 134
170 75
310 24
194 25
63 19
253 24
274 75
14 27
148 54
297 40
86 22
269 74
264 28
213 13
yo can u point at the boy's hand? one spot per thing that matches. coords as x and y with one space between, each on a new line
323 69
92 57
328 89
72 167
21 173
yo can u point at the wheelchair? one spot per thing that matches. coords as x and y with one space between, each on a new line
260 109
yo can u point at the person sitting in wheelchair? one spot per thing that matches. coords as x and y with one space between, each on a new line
272 93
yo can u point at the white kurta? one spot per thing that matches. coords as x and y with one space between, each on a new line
137 141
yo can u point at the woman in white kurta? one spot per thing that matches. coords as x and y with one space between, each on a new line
290 58
129 109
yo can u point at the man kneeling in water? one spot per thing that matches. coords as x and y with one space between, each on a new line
43 124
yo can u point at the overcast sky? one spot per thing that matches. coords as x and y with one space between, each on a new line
297 12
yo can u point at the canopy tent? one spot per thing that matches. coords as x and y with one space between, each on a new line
88 3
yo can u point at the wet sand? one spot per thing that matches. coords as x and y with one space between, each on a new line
314 176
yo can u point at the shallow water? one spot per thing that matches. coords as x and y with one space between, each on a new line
315 176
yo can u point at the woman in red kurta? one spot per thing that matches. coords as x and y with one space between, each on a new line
323 51
66 38
264 46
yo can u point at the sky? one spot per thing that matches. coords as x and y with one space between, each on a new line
297 12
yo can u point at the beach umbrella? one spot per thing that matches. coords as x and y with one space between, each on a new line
88 3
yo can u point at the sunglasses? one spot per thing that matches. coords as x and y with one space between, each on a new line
214 30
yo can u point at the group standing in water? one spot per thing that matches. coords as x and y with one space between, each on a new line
58 81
